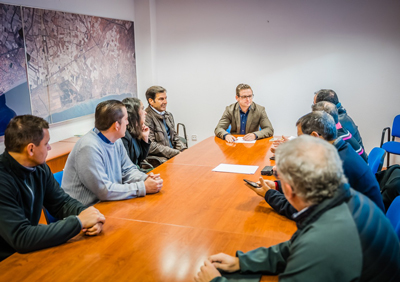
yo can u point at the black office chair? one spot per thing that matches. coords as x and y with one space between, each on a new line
392 147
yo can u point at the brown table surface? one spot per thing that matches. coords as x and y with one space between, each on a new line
167 236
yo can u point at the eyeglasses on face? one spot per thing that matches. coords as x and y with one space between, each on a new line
247 97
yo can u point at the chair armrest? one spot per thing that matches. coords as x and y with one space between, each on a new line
383 135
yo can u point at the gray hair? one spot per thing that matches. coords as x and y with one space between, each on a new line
311 166
320 122
328 108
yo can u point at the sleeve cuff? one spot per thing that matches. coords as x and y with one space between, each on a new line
80 222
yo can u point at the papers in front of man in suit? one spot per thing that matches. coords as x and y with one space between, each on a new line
240 140
244 169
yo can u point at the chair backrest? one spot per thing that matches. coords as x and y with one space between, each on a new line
58 176
396 126
49 218
228 129
393 214
375 159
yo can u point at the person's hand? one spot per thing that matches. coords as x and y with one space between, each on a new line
230 138
225 262
265 185
207 272
145 133
94 230
90 217
154 176
153 185
249 137
276 143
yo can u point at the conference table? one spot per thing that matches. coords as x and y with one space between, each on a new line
168 235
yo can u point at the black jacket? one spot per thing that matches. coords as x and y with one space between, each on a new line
348 123
136 152
389 181
358 173
345 238
23 193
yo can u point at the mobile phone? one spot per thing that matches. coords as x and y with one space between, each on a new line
251 183
268 170
272 158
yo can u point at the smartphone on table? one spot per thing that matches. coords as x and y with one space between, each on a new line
252 183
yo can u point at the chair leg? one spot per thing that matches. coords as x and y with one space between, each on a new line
388 160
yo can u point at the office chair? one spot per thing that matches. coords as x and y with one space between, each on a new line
393 214
49 218
375 159
392 147
184 138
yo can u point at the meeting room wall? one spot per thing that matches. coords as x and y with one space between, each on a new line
286 50
117 9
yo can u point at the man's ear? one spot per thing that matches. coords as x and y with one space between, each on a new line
29 149
151 101
315 134
237 98
288 191
117 125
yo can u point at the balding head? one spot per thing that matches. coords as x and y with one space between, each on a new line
311 166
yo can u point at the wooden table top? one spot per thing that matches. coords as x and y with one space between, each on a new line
167 236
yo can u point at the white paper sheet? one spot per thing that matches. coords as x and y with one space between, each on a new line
245 169
240 140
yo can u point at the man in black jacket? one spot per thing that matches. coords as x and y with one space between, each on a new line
341 236
27 184
346 121
360 177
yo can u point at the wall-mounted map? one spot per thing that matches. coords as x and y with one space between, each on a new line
14 94
73 61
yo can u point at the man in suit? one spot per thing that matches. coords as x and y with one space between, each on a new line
245 117
165 143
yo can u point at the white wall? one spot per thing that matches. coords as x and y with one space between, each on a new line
285 50
116 9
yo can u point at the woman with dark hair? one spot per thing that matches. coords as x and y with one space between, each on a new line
136 139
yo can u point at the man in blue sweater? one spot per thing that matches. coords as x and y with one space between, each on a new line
98 167
360 177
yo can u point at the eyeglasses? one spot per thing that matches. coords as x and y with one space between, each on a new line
247 97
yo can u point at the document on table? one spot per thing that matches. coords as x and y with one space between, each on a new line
240 140
245 169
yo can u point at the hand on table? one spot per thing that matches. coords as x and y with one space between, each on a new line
94 230
265 185
249 137
225 262
207 272
153 184
230 138
89 218
154 176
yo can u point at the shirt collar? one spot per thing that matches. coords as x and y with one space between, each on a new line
160 113
102 137
248 110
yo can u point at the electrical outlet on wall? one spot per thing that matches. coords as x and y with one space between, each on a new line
194 137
